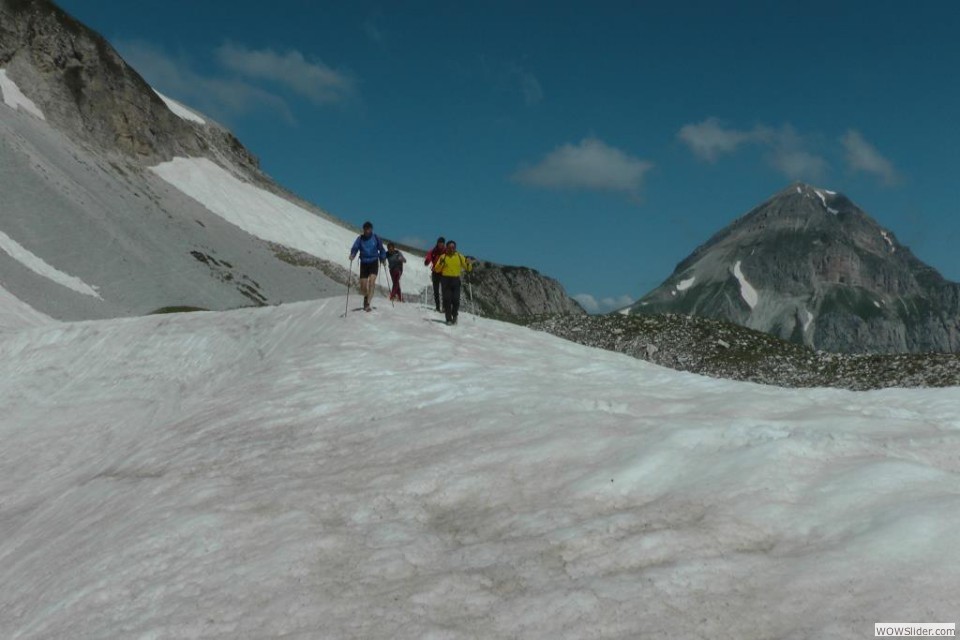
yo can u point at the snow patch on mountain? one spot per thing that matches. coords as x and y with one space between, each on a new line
267 215
808 320
822 197
179 110
683 285
14 98
889 241
36 264
747 291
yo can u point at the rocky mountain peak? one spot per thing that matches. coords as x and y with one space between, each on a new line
87 91
810 266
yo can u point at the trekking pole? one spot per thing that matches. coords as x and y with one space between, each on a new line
473 304
390 282
346 311
386 293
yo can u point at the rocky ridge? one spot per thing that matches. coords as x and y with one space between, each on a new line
725 350
511 293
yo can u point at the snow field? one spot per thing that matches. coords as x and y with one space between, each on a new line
283 472
270 217
15 99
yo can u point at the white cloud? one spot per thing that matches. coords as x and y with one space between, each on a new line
789 156
220 97
798 164
530 87
591 164
604 305
864 157
709 139
311 79
786 150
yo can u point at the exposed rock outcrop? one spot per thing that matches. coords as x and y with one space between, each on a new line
518 292
725 350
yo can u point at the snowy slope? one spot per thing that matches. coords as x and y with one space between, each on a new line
16 314
283 472
268 216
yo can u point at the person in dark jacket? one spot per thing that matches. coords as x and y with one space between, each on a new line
372 254
431 261
395 261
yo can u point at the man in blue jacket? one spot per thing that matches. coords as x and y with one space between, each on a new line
372 254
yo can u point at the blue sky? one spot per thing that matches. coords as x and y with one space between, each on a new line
597 142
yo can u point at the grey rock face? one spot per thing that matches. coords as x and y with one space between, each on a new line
87 91
519 292
816 270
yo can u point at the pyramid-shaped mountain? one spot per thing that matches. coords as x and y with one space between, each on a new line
810 266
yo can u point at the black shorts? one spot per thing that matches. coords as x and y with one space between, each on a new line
368 269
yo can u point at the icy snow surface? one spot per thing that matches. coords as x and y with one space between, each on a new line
283 472
179 110
37 265
683 285
14 98
808 320
268 216
17 314
746 289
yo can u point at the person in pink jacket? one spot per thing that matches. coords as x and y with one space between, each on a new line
431 261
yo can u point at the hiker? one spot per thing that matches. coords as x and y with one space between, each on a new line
431 261
372 254
395 261
450 266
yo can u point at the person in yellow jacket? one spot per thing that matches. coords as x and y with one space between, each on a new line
450 266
